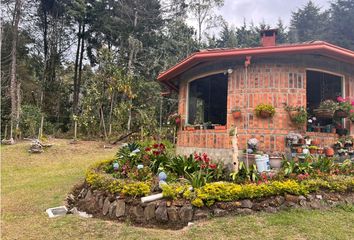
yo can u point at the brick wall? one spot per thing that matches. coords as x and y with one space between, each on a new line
268 82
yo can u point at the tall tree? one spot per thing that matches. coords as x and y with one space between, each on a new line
308 23
341 30
282 36
13 82
203 10
228 37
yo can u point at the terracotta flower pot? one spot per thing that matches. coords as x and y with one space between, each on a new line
313 150
317 129
315 142
299 150
189 128
265 114
219 127
236 114
329 152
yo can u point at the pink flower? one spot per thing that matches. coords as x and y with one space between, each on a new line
340 99
352 103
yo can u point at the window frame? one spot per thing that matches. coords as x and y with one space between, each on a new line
342 76
199 76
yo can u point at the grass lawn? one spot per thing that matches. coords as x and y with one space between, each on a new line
31 183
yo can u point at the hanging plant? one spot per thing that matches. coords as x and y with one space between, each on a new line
326 109
236 112
344 107
298 115
265 110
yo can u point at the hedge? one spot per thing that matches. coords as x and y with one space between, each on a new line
227 191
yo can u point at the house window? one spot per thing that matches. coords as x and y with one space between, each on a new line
207 100
322 86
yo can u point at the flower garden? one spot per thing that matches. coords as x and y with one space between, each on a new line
148 184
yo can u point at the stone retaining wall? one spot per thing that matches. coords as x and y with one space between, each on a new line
177 213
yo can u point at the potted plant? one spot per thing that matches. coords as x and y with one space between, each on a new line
265 110
293 138
275 160
252 144
320 150
326 109
189 127
342 152
313 149
344 107
341 131
299 150
236 112
315 142
207 125
219 127
298 115
307 140
329 152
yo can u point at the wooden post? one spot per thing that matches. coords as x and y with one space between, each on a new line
5 133
75 130
235 151
40 133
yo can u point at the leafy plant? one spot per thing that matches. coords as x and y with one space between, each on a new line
265 108
323 164
30 120
245 174
328 105
300 114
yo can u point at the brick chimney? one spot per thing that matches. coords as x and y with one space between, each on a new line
268 37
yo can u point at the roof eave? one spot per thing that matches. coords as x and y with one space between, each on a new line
324 48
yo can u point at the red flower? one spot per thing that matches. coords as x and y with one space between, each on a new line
147 149
203 166
197 157
155 145
156 153
212 166
162 146
146 157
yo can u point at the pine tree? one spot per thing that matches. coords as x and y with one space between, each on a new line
308 23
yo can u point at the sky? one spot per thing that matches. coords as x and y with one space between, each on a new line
234 11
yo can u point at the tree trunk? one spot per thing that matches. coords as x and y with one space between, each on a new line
75 98
80 64
18 109
13 79
132 53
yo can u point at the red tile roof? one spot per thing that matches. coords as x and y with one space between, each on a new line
314 47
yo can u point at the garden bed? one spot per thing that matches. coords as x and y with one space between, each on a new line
175 214
195 187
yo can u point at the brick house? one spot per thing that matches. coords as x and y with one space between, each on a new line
212 82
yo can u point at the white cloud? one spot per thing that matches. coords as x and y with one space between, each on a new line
269 11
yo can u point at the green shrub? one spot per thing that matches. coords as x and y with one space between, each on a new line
226 191
97 179
30 119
